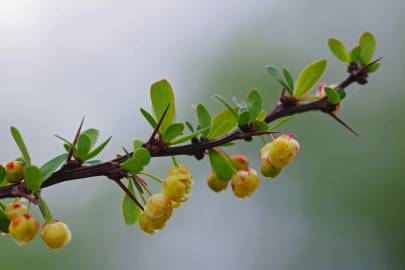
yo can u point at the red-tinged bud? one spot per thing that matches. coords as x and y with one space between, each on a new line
240 162
56 234
14 171
15 210
215 183
245 182
23 229
268 170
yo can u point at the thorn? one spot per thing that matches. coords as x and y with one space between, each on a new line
370 64
344 124
75 139
155 131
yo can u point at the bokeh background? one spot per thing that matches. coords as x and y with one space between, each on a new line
340 205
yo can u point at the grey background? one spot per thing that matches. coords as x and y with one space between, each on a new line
340 205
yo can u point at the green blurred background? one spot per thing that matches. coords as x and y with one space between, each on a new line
340 205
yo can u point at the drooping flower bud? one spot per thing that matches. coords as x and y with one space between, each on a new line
175 188
56 234
245 182
159 206
239 162
268 170
185 176
14 171
23 228
15 210
215 183
281 151
146 224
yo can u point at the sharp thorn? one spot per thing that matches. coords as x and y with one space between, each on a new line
340 121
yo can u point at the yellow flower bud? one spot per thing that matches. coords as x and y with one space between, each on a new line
175 188
14 171
23 228
268 170
159 206
56 234
15 210
185 176
281 151
146 224
215 183
245 182
239 162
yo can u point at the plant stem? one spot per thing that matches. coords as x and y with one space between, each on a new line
46 213
152 176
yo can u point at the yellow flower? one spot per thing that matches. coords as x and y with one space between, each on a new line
215 183
15 210
185 176
23 228
245 182
268 170
281 151
14 171
56 234
175 188
159 206
146 224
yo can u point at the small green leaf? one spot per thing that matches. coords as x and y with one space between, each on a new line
83 145
254 104
149 118
373 67
2 174
52 165
97 150
244 117
221 165
333 96
355 54
222 123
280 122
33 177
4 222
132 165
339 50
239 102
204 118
260 125
21 145
367 44
289 79
93 135
309 76
226 104
262 115
142 155
275 73
162 95
137 144
173 131
189 126
189 136
130 210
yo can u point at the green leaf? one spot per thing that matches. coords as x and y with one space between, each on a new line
83 145
162 95
189 136
21 145
132 165
189 126
355 54
204 118
130 210
309 76
221 165
260 125
149 118
275 73
339 50
222 123
373 67
173 131
142 155
333 96
262 115
93 135
367 44
239 102
244 117
289 79
97 150
2 174
254 104
33 177
280 122
52 165
226 104
4 221
137 144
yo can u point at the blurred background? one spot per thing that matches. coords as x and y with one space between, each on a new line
340 205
